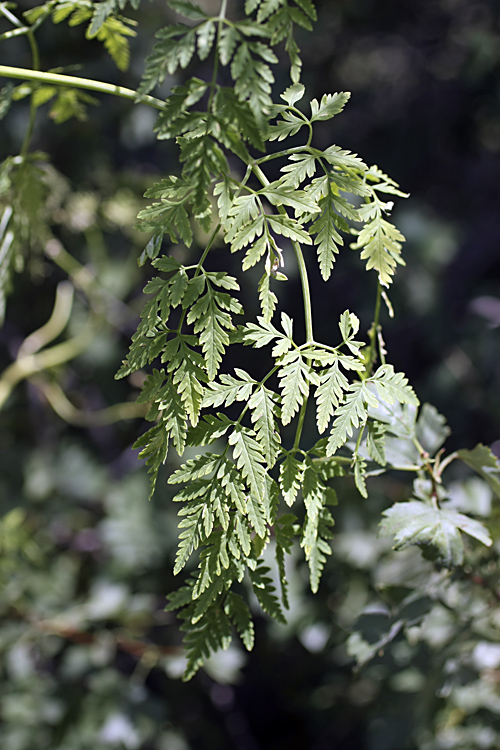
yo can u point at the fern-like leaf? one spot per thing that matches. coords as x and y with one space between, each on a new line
295 376
249 458
329 394
265 592
284 534
211 634
290 478
350 414
327 237
229 389
237 610
211 322
265 412
175 48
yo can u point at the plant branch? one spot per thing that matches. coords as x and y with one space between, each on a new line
10 16
83 83
446 462
100 299
63 407
26 366
300 426
373 332
54 326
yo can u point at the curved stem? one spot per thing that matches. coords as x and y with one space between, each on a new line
262 382
63 407
304 280
30 364
101 87
101 300
55 325
446 462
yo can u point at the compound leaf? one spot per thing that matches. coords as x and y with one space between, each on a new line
415 522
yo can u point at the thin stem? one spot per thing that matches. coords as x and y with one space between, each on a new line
31 123
300 425
215 73
96 418
54 326
199 268
280 154
304 280
31 364
15 32
262 382
210 242
358 442
83 83
446 462
373 331
345 460
100 299
10 16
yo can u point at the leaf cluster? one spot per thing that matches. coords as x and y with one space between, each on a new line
252 489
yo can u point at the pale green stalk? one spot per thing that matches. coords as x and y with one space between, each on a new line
221 19
373 331
56 79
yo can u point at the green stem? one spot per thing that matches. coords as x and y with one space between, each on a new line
199 268
348 461
62 406
15 32
360 438
373 331
262 382
281 154
215 73
210 242
304 279
31 122
446 462
29 365
57 79
300 425
10 16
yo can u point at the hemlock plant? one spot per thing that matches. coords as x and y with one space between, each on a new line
250 493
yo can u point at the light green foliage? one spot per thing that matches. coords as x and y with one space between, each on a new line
417 522
244 472
65 102
110 29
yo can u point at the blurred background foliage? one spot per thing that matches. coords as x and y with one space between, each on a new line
88 657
